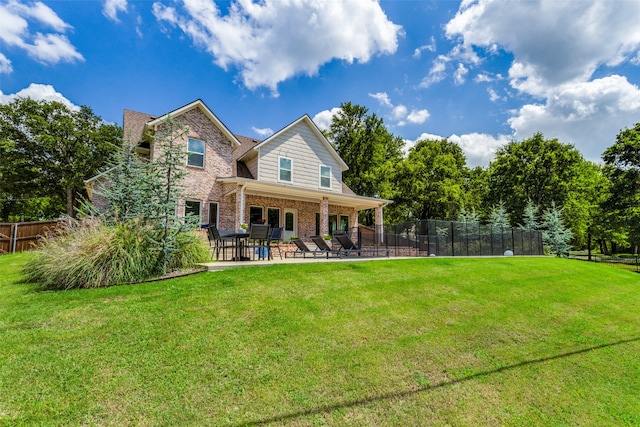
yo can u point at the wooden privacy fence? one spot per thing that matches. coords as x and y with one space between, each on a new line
22 236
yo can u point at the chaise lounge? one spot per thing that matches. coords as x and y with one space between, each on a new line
349 248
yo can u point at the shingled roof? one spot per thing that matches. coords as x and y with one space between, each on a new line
133 125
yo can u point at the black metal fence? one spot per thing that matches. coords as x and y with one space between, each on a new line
631 263
449 238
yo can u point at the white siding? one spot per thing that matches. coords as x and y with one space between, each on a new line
307 152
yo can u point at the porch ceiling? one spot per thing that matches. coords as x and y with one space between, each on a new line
289 192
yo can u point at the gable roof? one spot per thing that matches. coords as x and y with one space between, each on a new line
198 103
314 128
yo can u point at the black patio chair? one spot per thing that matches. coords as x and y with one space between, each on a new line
275 237
218 244
258 239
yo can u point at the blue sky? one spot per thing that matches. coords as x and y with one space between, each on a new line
479 72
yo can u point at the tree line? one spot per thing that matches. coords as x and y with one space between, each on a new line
535 178
47 150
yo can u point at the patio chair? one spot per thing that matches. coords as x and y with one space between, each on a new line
274 241
322 245
258 239
218 244
304 250
348 247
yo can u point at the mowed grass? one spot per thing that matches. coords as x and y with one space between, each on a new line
464 342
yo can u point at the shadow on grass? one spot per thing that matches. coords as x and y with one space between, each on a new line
404 393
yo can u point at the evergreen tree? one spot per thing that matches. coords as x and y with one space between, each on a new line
498 218
530 217
556 235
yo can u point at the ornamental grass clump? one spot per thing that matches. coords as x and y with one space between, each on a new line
90 254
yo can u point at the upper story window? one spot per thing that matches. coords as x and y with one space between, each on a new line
285 170
325 176
195 153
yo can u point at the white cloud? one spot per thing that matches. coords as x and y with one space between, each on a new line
5 64
588 114
400 114
437 72
557 48
478 148
460 75
274 40
431 47
323 118
49 48
38 92
553 42
110 9
418 116
264 132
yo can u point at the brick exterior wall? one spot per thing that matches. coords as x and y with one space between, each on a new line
201 182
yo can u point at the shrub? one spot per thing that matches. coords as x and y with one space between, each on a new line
89 254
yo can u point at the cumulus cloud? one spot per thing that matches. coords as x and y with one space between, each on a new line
588 114
274 40
478 148
400 114
460 75
49 48
110 9
580 37
323 118
557 48
262 132
38 92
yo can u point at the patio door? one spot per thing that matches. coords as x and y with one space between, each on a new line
290 224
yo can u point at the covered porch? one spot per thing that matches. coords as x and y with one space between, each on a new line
301 212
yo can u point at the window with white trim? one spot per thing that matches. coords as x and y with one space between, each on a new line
285 169
325 176
195 152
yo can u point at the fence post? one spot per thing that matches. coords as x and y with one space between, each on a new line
15 237
453 252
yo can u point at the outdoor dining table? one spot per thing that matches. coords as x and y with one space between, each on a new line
239 238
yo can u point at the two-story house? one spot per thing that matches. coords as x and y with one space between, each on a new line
292 179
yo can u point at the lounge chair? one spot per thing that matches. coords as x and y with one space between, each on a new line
304 250
322 246
348 248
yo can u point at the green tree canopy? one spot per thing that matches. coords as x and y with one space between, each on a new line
622 167
537 169
370 150
430 181
48 150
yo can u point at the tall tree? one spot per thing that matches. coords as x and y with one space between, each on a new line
430 181
370 150
56 149
543 171
622 167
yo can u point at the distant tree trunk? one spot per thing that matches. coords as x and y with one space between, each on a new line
69 197
603 247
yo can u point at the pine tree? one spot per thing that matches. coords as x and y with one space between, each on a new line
530 217
498 218
556 235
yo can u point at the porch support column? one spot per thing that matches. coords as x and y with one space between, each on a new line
324 216
240 203
353 224
379 223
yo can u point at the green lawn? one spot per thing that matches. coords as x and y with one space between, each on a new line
464 342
